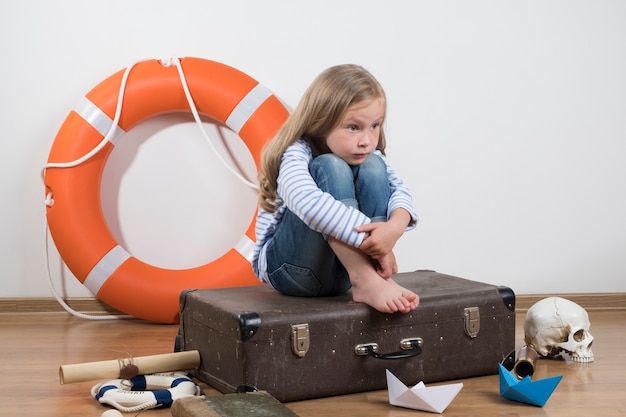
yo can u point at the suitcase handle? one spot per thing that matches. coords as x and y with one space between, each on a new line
410 348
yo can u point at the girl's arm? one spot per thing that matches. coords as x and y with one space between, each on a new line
400 196
382 237
319 210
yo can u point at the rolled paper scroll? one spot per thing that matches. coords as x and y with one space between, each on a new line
168 362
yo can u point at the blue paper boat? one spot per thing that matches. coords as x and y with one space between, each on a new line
526 391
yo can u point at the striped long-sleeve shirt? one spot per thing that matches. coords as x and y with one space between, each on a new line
319 210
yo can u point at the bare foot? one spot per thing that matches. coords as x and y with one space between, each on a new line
381 293
385 295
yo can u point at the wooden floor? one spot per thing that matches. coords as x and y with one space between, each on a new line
34 345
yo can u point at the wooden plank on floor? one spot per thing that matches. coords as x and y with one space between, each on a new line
588 301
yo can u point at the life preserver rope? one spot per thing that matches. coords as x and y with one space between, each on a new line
144 391
87 137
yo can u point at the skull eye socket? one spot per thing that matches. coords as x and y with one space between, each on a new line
579 336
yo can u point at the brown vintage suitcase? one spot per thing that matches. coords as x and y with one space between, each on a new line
298 348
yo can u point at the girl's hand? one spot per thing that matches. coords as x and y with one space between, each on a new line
386 266
380 240
382 236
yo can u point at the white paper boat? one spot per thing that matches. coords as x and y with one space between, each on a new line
434 399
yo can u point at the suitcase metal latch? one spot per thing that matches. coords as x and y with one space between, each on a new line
472 321
300 339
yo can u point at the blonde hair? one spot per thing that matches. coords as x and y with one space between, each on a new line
320 110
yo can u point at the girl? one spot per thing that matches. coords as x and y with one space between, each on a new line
330 208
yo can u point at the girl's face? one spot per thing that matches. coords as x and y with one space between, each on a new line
357 135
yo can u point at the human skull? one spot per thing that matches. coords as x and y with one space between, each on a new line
554 325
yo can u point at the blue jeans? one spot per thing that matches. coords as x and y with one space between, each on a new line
299 260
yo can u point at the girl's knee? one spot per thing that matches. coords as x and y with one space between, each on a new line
333 175
330 166
373 170
329 162
374 165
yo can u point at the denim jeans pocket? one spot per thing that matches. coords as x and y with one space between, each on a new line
293 280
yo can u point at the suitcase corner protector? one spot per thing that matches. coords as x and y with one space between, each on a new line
508 297
249 324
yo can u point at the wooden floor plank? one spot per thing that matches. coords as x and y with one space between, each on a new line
589 301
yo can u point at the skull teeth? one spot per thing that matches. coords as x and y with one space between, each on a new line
581 359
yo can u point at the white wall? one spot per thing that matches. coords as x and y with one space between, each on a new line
506 119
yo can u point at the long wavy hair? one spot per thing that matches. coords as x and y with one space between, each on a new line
321 109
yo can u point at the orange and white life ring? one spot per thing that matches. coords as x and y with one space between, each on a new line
74 212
